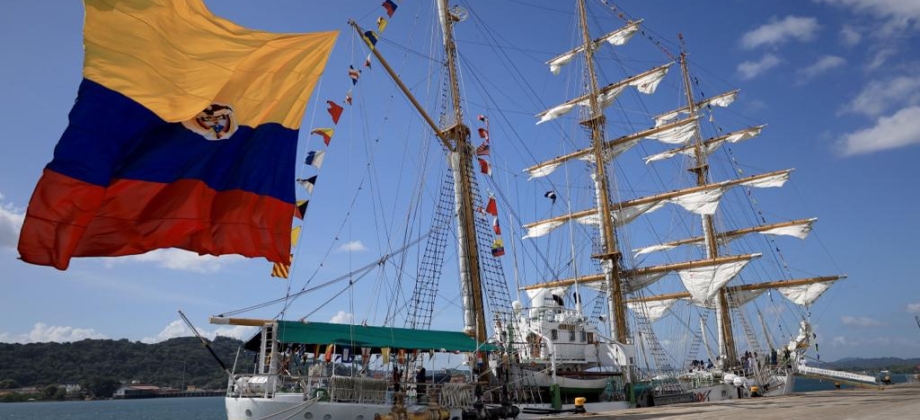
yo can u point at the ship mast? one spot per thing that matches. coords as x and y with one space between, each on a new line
610 253
727 351
461 157
455 140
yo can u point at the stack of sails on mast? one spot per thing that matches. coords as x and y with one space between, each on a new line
654 310
645 83
796 228
679 132
699 200
702 278
800 294
615 38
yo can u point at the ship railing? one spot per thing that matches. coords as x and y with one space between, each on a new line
357 389
253 385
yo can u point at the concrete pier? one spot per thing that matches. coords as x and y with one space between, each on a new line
892 402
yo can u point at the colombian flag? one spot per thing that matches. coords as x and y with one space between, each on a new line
183 135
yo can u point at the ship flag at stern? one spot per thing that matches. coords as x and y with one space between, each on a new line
183 135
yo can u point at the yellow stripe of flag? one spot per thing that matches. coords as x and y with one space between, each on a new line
283 271
184 59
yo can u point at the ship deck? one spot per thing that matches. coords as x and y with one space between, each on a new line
891 402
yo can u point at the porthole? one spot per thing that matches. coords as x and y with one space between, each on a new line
308 415
360 417
327 417
248 413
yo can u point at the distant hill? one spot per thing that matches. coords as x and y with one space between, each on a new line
170 363
894 364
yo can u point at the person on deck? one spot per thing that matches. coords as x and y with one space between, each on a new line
396 378
420 380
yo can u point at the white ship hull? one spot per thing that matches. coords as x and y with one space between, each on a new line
545 380
779 384
296 406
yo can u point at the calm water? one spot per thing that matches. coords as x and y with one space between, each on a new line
204 408
211 408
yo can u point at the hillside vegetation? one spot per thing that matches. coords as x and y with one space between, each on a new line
893 364
170 363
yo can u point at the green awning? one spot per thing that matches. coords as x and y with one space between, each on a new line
357 336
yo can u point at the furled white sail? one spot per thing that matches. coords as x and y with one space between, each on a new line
615 38
556 64
722 100
648 83
612 151
682 130
796 228
709 146
653 310
623 216
638 278
542 229
653 248
705 200
736 298
636 282
621 36
606 97
645 83
541 171
619 216
699 200
800 231
556 112
702 202
704 282
680 134
805 294
773 181
632 281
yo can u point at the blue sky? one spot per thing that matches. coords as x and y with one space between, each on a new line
838 82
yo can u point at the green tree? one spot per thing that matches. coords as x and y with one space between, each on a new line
160 364
9 384
49 392
101 387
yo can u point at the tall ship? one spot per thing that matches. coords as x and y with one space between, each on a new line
607 276
660 244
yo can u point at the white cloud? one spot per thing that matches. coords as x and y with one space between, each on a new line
752 69
881 56
849 36
178 259
353 246
878 97
178 328
342 317
901 346
899 12
825 63
913 308
10 223
42 333
754 105
860 321
175 329
780 31
899 130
